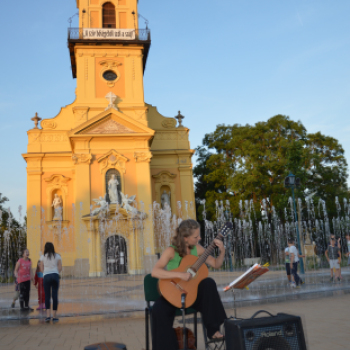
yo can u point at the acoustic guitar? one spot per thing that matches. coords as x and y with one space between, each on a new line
172 289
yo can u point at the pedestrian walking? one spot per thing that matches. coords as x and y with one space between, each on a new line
16 295
51 265
23 272
347 236
333 253
39 285
288 269
294 260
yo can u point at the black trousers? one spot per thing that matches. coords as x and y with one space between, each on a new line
295 273
208 303
51 283
24 293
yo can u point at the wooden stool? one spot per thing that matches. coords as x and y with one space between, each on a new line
106 346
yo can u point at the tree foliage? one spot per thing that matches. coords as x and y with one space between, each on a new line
12 241
239 162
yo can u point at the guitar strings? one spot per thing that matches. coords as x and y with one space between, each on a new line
209 250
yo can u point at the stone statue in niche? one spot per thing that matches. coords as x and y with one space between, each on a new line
165 199
113 189
57 205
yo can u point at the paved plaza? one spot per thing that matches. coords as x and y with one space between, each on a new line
325 321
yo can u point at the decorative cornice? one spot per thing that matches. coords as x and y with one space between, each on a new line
48 124
169 123
82 158
171 135
61 179
164 176
143 157
113 159
110 64
47 137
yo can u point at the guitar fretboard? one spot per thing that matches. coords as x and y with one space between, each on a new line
210 249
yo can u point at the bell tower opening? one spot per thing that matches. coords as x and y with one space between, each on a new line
108 15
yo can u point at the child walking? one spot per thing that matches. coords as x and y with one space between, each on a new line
332 254
288 269
23 272
16 295
39 285
294 260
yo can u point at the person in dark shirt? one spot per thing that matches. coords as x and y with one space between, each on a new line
333 253
337 244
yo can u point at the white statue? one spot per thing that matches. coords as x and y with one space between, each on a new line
103 206
165 198
113 189
126 201
57 205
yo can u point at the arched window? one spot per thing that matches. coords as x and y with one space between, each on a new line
116 255
109 175
108 15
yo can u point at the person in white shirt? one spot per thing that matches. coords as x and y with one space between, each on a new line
51 265
288 269
347 236
294 259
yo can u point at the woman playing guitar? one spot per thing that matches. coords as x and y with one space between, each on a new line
208 301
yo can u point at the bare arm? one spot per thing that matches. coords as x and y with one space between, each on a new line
31 275
159 268
41 266
291 258
59 266
17 268
327 255
214 262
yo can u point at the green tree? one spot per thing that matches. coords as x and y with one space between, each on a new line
251 162
12 241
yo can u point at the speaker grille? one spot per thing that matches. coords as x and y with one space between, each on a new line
277 337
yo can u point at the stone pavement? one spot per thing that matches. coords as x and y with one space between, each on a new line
325 322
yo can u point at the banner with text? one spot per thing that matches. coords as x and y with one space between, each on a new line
107 33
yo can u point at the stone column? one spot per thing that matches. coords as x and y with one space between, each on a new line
144 191
82 207
187 190
92 235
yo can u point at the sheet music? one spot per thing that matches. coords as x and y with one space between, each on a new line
247 277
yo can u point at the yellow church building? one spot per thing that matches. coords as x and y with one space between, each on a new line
107 140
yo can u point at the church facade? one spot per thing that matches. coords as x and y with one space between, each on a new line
103 151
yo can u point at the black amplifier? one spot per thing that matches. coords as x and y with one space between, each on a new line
280 332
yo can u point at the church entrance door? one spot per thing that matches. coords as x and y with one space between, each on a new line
116 255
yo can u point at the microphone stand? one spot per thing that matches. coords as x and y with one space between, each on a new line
184 332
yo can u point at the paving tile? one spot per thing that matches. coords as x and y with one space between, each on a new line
318 317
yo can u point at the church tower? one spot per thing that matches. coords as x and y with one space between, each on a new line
104 146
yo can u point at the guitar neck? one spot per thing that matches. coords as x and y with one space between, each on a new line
210 249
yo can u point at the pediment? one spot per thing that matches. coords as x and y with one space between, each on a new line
111 122
109 126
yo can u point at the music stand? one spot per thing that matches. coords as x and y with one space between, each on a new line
244 280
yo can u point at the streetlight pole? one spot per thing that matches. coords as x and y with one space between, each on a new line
291 182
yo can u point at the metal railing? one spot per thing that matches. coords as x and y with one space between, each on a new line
108 34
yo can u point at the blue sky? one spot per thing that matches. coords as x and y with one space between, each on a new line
216 61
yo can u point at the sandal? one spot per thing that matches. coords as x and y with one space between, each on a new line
216 337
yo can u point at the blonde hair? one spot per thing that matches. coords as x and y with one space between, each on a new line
184 230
